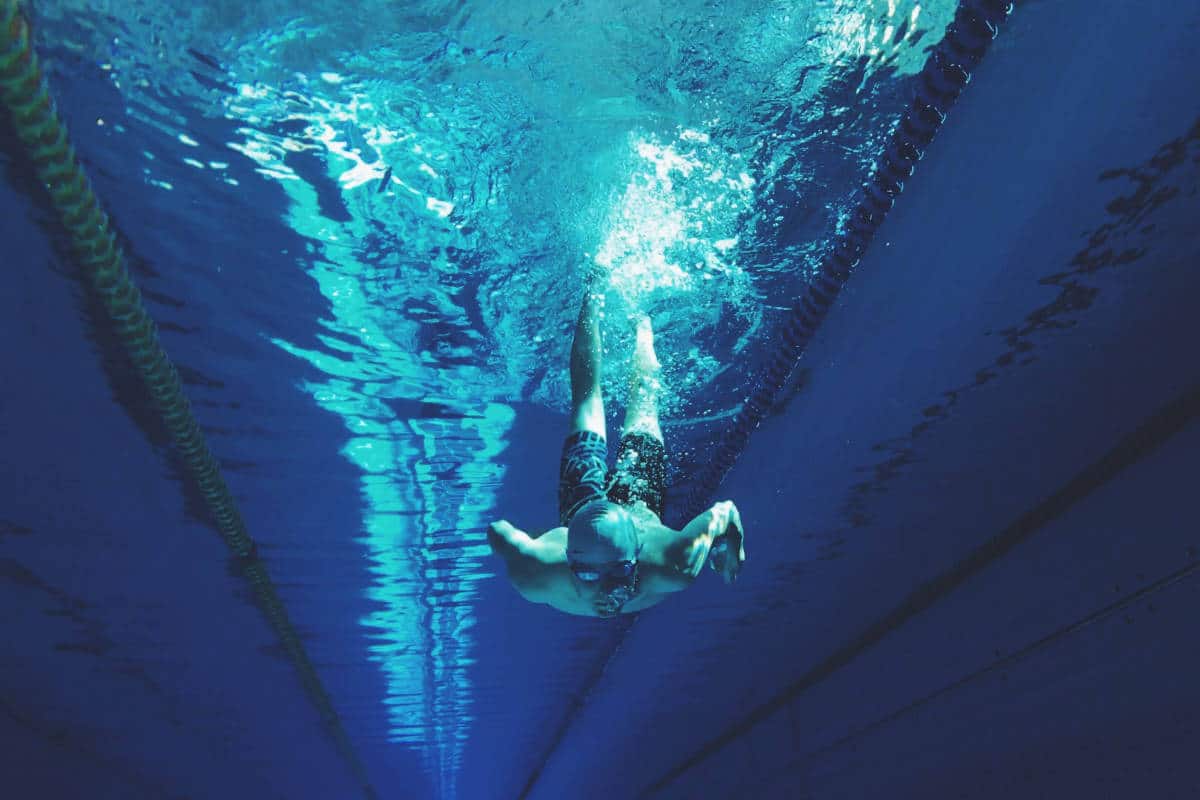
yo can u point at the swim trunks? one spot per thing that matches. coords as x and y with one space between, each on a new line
640 473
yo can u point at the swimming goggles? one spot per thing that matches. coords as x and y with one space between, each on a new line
613 571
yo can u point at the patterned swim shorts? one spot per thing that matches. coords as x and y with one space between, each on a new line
640 472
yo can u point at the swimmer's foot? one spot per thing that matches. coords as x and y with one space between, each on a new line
644 384
645 361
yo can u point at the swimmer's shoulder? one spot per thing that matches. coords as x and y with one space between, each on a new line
659 558
533 562
552 545
548 578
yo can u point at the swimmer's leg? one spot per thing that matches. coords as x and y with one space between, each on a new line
587 404
641 413
640 473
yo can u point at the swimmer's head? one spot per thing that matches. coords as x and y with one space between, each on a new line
602 553
602 532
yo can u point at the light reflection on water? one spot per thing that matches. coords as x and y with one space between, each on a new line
458 169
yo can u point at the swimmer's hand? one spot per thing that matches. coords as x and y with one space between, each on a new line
728 551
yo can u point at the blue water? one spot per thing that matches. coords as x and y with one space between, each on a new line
363 231
389 212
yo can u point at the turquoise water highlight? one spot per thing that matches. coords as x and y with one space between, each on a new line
456 170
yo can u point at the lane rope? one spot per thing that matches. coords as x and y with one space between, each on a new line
946 73
26 95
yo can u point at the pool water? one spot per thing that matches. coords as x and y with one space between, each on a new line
364 231
446 178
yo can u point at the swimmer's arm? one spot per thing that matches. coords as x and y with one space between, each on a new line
690 549
528 560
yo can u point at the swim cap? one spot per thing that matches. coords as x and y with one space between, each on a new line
605 521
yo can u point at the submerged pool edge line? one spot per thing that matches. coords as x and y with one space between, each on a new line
946 73
26 96
1146 438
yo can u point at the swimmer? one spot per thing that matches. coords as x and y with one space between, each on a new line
611 554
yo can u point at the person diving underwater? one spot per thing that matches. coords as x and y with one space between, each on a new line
611 553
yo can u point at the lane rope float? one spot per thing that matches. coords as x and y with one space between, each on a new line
25 93
945 74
